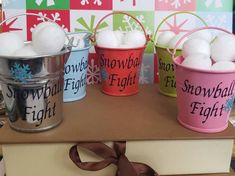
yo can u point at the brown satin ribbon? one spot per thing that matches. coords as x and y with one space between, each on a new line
110 156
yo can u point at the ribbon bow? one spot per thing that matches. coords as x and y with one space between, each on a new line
111 156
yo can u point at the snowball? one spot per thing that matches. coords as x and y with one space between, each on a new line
107 39
120 37
223 66
135 39
27 50
223 48
196 45
123 46
40 26
10 42
49 40
164 38
174 41
203 34
198 61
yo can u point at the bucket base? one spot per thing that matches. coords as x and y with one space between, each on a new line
167 94
74 99
36 130
202 130
120 95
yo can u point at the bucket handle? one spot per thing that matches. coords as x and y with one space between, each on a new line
191 32
174 14
93 39
71 40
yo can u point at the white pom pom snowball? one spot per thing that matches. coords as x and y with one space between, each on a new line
40 26
223 66
174 41
223 48
49 40
196 45
120 37
135 39
27 50
123 46
9 43
164 38
107 39
203 34
198 61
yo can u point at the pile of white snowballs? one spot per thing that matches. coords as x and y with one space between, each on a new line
119 39
47 38
201 51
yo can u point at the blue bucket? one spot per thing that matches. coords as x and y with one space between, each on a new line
75 70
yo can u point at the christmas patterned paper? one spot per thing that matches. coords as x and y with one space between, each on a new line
80 15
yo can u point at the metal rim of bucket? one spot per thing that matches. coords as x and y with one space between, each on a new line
173 52
202 130
37 130
63 51
66 48
93 38
85 32
121 49
169 16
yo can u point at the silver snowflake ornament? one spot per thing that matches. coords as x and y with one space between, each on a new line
21 72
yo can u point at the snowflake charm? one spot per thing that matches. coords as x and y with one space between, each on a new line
21 72
103 74
229 103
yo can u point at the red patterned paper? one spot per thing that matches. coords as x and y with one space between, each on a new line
91 4
8 25
93 71
62 17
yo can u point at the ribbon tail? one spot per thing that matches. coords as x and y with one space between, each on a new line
125 168
100 149
143 169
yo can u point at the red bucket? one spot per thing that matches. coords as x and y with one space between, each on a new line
119 67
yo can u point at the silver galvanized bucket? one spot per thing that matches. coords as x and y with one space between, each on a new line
33 90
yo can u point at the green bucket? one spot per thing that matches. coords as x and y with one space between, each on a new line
166 70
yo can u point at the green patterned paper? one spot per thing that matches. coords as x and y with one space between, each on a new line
48 4
215 5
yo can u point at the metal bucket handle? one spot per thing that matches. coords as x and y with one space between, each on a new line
174 14
93 38
71 40
193 31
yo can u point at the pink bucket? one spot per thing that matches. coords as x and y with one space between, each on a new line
204 98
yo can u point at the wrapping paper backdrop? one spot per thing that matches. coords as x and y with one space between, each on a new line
77 15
